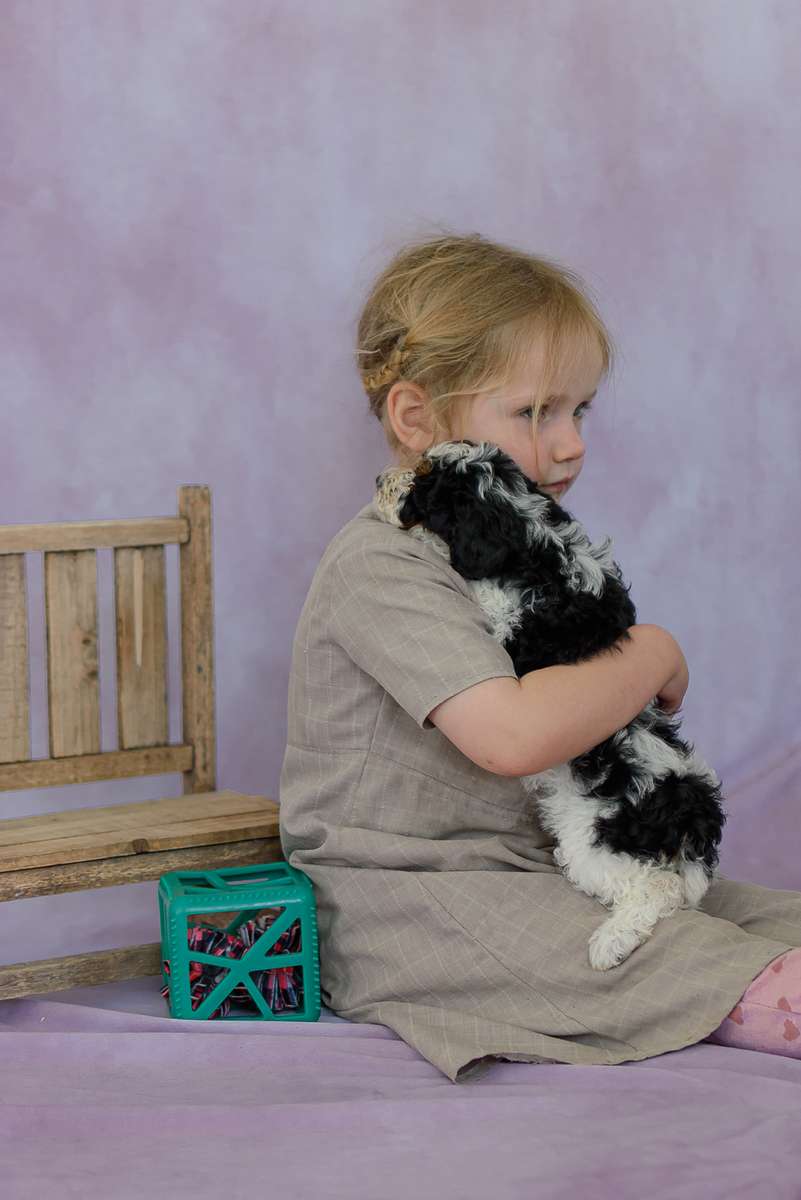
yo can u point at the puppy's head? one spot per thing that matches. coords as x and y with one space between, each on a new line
464 492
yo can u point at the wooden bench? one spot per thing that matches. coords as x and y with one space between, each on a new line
89 848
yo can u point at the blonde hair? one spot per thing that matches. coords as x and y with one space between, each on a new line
456 315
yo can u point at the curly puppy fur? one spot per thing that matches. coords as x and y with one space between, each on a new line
637 819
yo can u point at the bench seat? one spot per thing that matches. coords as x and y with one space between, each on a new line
118 844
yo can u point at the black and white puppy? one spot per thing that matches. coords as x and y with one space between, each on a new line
637 819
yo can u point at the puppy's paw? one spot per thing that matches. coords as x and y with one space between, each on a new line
609 946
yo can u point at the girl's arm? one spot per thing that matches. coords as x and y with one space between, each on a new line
524 726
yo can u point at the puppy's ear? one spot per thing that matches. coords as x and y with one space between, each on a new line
485 539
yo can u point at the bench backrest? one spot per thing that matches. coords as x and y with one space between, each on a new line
73 684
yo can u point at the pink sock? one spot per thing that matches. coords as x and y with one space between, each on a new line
767 1016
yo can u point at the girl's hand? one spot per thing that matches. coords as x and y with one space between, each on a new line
672 693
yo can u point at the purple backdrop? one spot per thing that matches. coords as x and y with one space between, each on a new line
195 198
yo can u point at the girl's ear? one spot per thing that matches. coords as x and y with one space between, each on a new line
485 540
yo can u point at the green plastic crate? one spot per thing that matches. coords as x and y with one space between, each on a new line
240 893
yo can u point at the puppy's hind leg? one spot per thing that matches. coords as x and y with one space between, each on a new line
648 898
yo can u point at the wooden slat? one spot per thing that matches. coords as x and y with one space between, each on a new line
141 624
134 868
197 639
93 535
114 764
86 834
79 970
73 684
15 737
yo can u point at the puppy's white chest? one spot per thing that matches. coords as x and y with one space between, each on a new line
501 604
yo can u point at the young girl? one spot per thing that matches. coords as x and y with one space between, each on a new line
442 913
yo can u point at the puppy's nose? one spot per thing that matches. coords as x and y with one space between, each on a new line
378 480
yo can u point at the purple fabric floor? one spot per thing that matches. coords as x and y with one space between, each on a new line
105 1096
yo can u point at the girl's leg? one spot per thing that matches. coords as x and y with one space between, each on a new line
768 1015
766 912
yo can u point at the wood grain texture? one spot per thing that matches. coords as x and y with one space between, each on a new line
73 684
86 834
15 737
93 535
140 601
79 970
135 868
197 639
114 764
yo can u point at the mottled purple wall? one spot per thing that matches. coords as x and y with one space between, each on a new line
195 197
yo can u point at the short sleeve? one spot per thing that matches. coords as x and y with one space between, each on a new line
408 623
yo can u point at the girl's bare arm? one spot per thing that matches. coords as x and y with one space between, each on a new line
524 726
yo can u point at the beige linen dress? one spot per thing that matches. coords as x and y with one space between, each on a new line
441 912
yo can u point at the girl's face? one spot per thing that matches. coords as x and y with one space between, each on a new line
504 418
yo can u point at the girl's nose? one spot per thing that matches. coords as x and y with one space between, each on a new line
569 443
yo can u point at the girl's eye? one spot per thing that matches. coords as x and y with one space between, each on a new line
581 411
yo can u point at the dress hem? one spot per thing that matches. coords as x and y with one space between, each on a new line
468 1071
